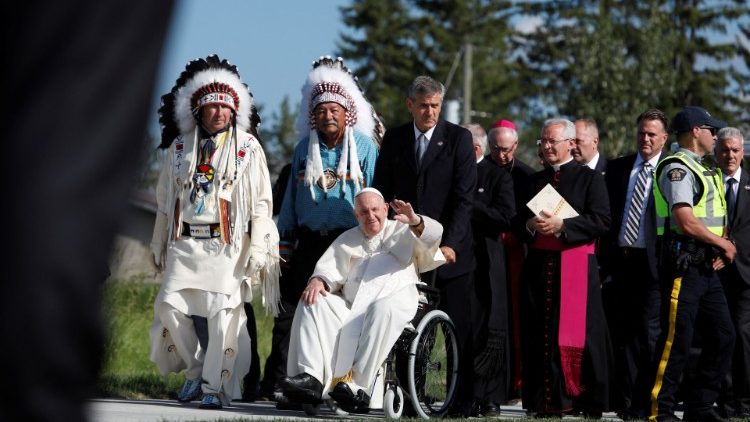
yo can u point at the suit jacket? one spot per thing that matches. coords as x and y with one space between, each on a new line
617 179
441 188
601 165
740 227
493 210
493 202
520 172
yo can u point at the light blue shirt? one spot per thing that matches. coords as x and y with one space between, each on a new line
332 210
427 135
642 233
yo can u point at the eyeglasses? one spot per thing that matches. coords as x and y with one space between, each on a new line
711 129
552 141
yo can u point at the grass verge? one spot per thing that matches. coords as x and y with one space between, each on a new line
127 370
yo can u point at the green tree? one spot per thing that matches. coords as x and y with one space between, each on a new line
386 55
398 40
280 139
611 60
451 26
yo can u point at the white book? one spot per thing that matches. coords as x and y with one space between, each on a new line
550 200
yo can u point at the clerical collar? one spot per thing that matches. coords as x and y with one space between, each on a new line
556 167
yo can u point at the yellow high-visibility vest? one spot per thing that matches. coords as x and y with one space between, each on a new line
711 207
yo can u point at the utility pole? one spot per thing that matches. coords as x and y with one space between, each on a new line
467 83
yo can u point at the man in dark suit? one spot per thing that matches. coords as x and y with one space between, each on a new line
735 397
628 254
503 140
493 211
587 145
430 163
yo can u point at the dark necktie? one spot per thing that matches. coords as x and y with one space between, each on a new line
731 199
638 199
421 148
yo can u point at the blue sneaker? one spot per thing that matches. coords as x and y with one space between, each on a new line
210 401
190 391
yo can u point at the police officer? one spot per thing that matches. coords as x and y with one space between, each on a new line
691 212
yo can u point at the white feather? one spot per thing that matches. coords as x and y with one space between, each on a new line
365 122
183 114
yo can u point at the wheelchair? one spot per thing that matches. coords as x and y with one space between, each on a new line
420 375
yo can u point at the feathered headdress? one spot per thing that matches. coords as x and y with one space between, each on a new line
331 81
206 81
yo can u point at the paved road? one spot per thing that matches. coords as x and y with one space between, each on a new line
114 410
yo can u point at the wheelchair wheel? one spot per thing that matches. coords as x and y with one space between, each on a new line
393 403
433 365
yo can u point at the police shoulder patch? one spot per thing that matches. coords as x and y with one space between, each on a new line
676 175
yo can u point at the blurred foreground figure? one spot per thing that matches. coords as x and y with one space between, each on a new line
81 80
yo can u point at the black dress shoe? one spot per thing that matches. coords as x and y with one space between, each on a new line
489 410
302 388
350 402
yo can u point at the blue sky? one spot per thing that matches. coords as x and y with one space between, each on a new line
272 42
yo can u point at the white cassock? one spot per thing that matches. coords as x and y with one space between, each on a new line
208 277
347 334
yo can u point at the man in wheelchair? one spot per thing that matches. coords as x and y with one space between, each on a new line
359 299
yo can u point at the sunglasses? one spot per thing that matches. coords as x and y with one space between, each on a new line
711 129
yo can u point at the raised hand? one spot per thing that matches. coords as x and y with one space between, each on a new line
403 212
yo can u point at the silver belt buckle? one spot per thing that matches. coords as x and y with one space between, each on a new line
200 231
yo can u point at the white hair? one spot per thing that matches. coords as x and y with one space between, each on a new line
729 132
477 135
569 132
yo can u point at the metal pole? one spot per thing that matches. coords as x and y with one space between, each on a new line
467 83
